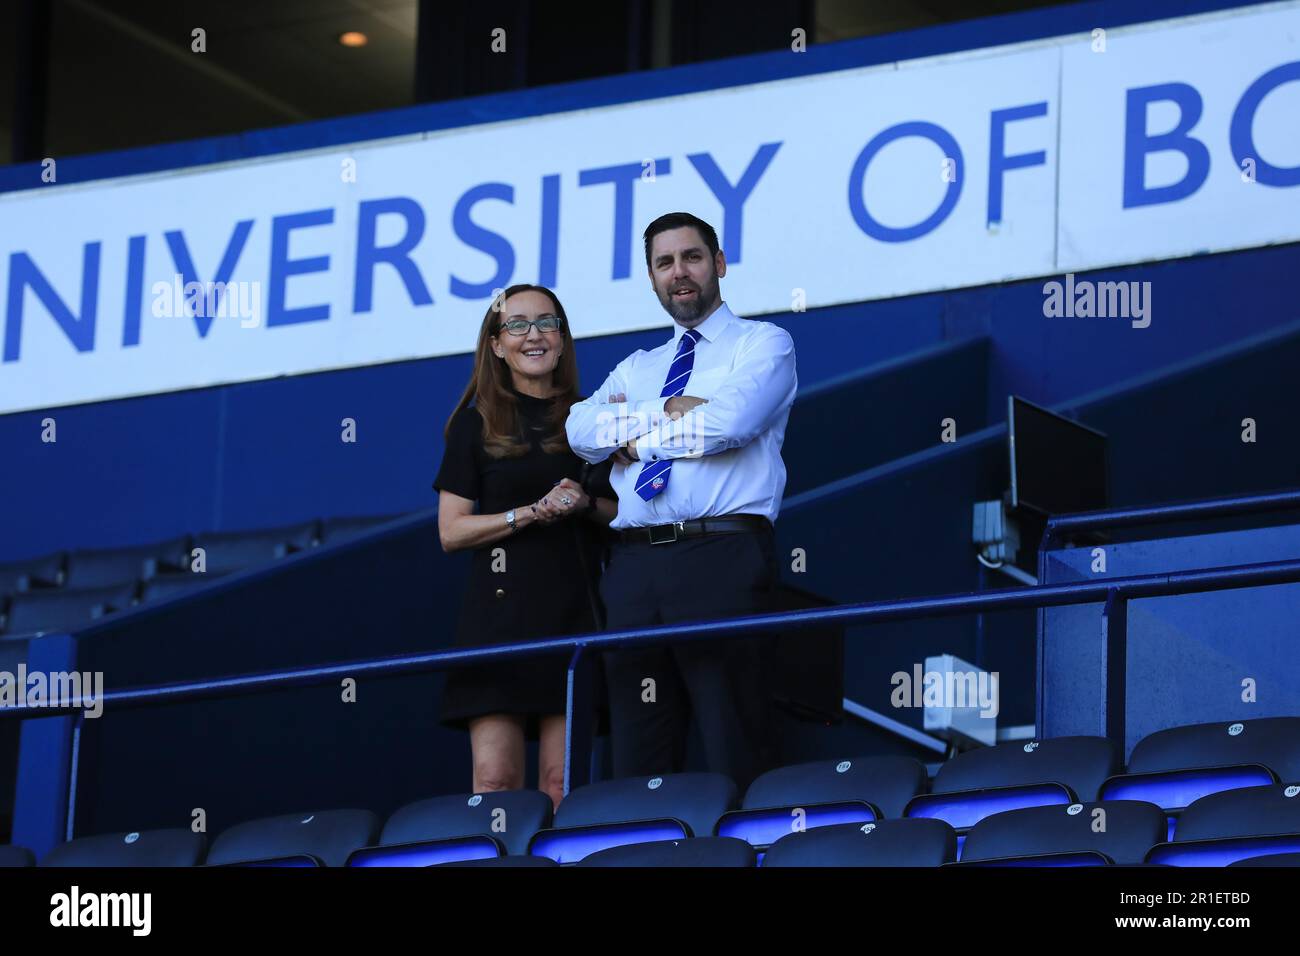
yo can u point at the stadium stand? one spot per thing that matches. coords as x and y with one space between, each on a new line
885 517
64 591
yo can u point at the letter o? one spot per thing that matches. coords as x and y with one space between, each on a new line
937 135
1243 118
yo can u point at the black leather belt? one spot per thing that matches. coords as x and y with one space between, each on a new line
668 533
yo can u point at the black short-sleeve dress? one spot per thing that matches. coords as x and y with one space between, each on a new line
537 587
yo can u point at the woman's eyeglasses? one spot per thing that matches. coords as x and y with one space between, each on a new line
545 323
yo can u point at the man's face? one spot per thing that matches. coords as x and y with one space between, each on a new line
685 276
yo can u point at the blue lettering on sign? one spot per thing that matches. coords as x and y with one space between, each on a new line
282 267
1243 119
23 275
397 255
185 267
999 162
623 177
485 240
733 197
1138 143
941 138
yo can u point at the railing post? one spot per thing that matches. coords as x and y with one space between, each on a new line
578 721
43 792
1114 654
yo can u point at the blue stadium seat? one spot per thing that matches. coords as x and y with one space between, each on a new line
60 610
146 848
337 530
887 783
1271 741
1175 767
114 567
462 826
635 810
227 551
19 576
698 851
1122 834
15 856
330 835
906 842
823 793
975 784
1232 825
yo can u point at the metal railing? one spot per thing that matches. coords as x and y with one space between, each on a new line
1060 525
1114 593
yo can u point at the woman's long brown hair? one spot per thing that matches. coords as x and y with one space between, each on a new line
490 386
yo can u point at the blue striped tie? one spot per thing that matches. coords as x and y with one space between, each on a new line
654 474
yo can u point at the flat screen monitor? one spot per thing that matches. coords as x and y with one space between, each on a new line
1057 465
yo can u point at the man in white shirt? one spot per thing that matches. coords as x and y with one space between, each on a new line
695 427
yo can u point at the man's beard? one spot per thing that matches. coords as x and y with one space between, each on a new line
691 309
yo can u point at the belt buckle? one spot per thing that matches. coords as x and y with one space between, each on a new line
674 528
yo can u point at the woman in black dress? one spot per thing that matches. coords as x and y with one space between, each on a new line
536 536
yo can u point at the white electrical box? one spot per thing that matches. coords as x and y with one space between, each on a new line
961 701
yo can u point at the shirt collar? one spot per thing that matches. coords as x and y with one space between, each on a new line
711 327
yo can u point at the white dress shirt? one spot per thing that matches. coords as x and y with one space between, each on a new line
726 453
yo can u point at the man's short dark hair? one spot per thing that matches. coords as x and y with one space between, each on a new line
678 220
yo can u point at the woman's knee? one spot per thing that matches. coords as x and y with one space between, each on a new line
492 773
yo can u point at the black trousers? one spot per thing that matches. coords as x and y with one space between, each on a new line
653 691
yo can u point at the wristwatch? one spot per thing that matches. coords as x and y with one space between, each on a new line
510 520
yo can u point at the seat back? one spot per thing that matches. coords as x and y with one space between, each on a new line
331 835
696 799
698 851
60 610
1271 741
1080 763
145 848
1122 830
1254 811
905 842
509 816
15 856
886 783
115 567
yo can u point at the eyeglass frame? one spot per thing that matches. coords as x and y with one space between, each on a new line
532 324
